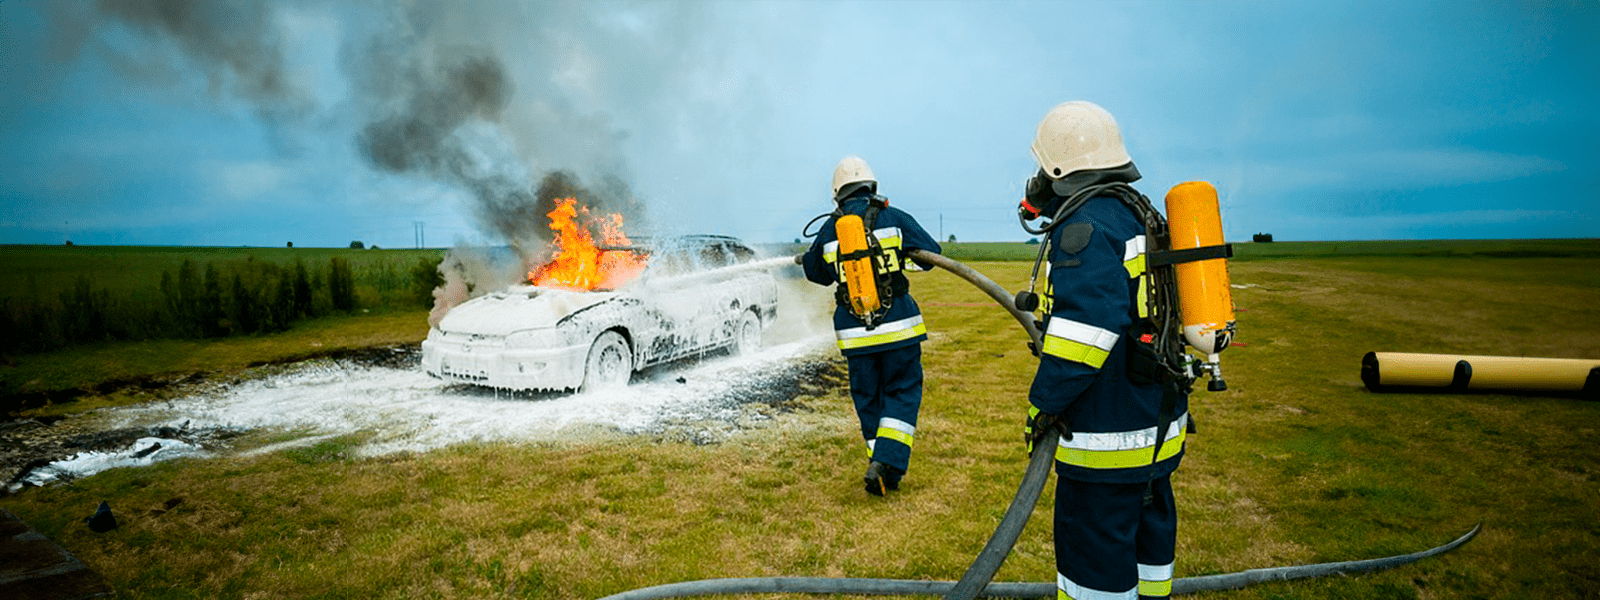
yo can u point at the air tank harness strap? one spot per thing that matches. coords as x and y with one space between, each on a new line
893 282
1146 363
860 253
1172 257
1169 405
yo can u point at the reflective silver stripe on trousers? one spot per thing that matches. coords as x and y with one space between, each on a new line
1077 592
897 425
1155 572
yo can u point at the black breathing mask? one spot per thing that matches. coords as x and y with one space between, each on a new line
1045 195
1037 199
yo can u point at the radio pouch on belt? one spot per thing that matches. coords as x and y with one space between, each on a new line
1144 363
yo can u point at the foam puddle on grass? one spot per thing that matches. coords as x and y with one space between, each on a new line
406 410
144 452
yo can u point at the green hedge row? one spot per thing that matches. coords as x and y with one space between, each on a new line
213 299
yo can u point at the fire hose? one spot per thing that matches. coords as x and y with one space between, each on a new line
995 292
978 280
911 587
976 581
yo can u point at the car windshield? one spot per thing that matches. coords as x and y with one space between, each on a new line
684 256
675 256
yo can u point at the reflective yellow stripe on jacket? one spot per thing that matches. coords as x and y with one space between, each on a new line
888 239
1078 342
1133 259
1121 449
886 333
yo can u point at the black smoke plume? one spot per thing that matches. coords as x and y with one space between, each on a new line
430 102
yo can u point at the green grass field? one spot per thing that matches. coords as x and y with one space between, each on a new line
1296 464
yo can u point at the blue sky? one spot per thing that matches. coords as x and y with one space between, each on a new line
144 122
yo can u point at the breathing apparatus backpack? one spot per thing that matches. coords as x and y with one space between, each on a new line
870 276
1185 282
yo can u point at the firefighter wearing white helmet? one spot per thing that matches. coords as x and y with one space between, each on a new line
1123 421
851 175
1078 136
862 249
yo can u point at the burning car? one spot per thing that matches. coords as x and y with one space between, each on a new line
683 296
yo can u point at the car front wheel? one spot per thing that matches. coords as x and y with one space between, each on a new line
609 365
747 333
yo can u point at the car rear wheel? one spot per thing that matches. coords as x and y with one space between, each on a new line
609 365
747 333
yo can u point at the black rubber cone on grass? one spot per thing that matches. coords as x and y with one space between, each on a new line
102 520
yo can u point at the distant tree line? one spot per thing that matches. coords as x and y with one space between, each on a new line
210 300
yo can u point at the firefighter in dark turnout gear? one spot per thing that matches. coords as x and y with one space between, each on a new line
1122 429
883 348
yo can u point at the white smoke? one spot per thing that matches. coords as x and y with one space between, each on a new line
470 272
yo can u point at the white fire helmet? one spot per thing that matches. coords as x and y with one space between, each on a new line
1078 136
852 170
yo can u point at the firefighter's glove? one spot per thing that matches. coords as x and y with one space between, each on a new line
1042 423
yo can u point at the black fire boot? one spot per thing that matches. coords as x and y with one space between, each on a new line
876 478
891 478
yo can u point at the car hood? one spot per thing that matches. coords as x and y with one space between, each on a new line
517 309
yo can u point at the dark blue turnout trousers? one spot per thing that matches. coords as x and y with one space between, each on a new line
1103 530
887 388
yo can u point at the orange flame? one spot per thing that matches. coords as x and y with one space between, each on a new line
579 264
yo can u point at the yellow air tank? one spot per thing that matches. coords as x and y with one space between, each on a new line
1205 304
859 278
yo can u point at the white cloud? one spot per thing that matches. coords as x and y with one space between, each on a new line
247 180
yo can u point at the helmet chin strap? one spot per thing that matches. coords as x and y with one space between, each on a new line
1067 186
851 189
